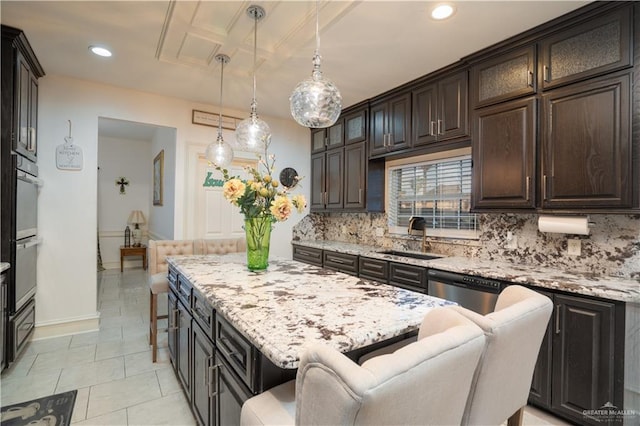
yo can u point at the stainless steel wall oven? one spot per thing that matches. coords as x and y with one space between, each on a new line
21 306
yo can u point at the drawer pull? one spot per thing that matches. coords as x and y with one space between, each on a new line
213 380
226 348
528 186
546 73
557 319
174 314
204 317
530 78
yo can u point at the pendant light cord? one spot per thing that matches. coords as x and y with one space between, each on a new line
220 113
255 50
317 27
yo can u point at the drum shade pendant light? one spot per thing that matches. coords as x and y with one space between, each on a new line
220 152
252 132
316 102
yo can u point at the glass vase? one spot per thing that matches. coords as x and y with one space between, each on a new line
258 233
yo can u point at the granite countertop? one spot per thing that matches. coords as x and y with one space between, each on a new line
4 266
293 304
612 288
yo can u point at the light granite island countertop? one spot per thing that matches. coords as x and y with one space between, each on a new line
293 304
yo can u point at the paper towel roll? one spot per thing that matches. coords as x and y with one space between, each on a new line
564 225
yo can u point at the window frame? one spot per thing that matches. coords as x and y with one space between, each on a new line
443 156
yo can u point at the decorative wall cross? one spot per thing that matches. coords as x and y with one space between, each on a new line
122 182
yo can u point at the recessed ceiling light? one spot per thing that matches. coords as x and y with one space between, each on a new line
442 11
100 51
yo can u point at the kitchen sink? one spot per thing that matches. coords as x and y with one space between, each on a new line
414 255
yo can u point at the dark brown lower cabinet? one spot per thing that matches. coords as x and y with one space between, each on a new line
203 401
342 262
172 327
231 394
409 277
581 363
183 347
373 269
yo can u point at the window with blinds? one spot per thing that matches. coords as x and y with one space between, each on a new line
439 191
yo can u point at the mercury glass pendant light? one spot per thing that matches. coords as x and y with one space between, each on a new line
252 132
220 152
316 102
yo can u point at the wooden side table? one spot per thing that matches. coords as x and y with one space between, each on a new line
134 251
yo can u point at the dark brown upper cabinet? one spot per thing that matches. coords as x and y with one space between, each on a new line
508 76
329 138
355 176
586 145
20 73
594 47
440 110
390 125
326 180
355 127
504 146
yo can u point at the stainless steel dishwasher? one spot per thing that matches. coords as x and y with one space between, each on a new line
474 293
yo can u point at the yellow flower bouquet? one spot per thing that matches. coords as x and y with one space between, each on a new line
262 201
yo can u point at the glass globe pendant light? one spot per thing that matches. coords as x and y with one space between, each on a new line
252 132
220 152
316 102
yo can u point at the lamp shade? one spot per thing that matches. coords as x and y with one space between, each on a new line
136 218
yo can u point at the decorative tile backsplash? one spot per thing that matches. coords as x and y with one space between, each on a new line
612 248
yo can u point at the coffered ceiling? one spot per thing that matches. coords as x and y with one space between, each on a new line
168 47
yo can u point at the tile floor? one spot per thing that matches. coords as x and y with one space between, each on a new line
111 368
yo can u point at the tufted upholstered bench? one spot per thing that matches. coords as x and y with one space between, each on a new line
158 283
221 246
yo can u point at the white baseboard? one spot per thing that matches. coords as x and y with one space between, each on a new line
52 329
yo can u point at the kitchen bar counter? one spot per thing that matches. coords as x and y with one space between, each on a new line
293 304
611 288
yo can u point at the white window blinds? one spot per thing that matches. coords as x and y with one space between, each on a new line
439 191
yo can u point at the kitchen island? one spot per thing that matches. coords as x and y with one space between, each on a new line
235 333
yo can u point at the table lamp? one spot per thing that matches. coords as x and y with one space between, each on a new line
136 218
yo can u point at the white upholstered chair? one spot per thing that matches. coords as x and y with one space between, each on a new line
158 283
425 382
514 333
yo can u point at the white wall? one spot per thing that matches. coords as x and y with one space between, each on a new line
68 200
162 218
130 159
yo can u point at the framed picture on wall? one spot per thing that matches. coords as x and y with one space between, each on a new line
213 120
158 178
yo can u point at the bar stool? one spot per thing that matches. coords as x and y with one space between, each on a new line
158 282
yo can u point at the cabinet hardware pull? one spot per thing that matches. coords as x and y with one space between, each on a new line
439 127
546 73
174 313
530 78
528 185
201 314
432 130
360 196
557 319
229 344
32 139
326 142
385 139
544 187
213 384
